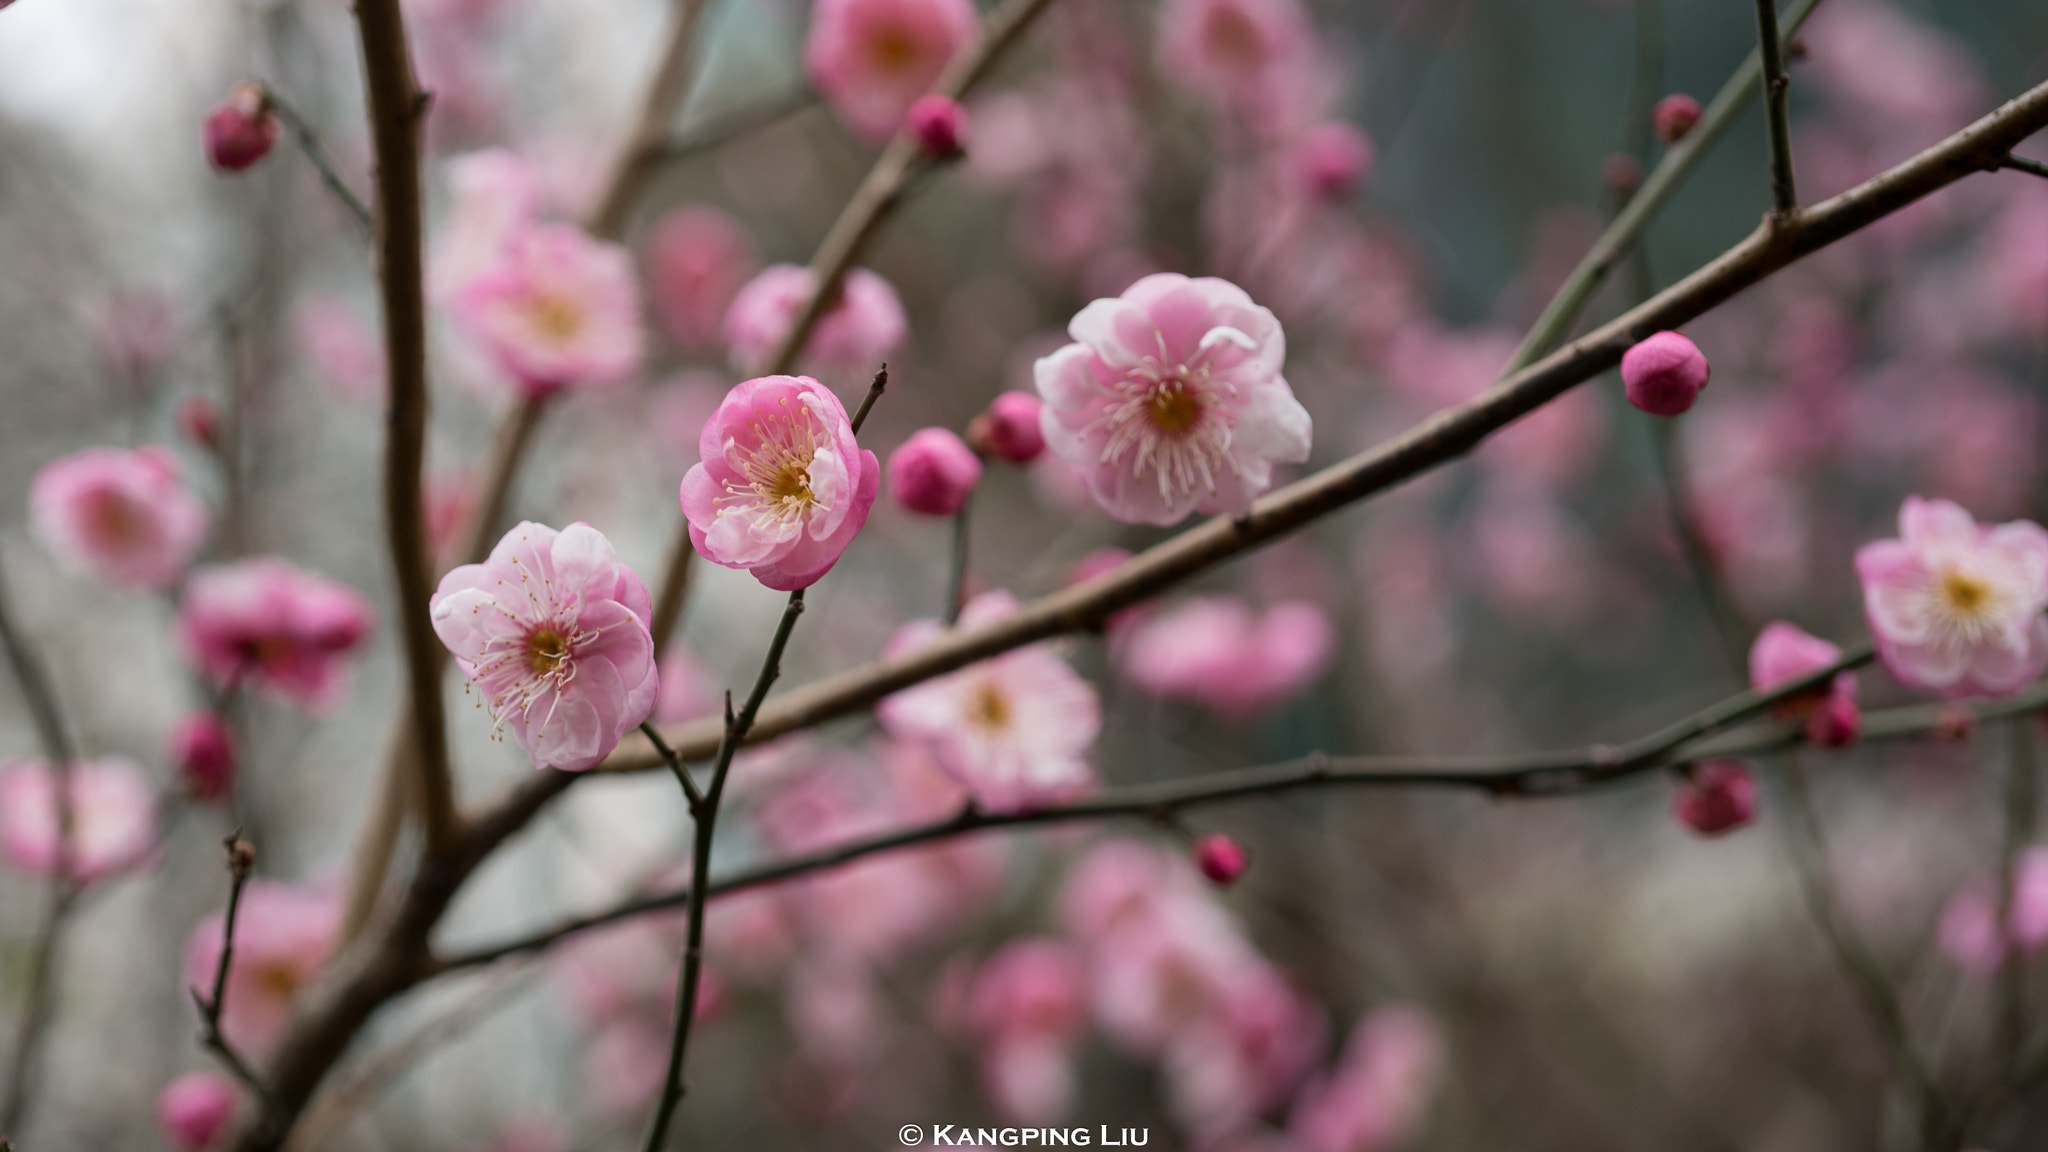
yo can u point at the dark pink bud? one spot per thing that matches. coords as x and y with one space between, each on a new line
1717 796
1621 174
1834 721
1664 374
1674 116
199 419
1009 429
933 472
195 1108
203 752
1220 858
1335 158
240 131
940 125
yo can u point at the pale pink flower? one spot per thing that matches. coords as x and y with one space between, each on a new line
698 258
1247 1056
1167 972
1014 730
202 749
265 619
1375 1099
1969 934
933 472
1235 53
1028 1008
1010 428
284 934
858 330
1216 651
553 631
781 486
1783 652
124 517
1955 608
496 199
559 310
195 1108
113 817
1117 886
1171 400
872 58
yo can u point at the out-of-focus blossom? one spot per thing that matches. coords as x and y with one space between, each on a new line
450 498
124 517
1955 608
553 631
495 200
113 817
1216 651
1783 652
1334 158
698 258
857 331
198 418
1171 400
1889 69
1674 116
687 690
284 934
872 58
202 750
940 125
1664 374
1014 730
933 472
1716 796
1247 1056
1027 1008
241 130
195 1108
1969 934
1010 428
781 486
558 310
283 627
341 347
1238 54
1375 1099
1221 858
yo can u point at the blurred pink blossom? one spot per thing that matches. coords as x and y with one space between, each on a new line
940 125
113 817
1374 1100
934 472
1248 1057
559 310
1333 159
1783 652
859 330
1027 1007
1969 934
495 200
1010 428
1221 858
553 631
283 627
687 689
1674 116
872 58
345 351
1219 652
284 934
124 517
1240 55
1664 374
1956 608
1171 400
698 258
195 1108
1716 796
240 130
202 751
781 487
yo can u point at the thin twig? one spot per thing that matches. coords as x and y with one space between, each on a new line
2022 164
2020 790
1777 87
956 570
316 154
241 860
675 765
644 147
719 130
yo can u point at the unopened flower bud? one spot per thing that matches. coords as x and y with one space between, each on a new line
940 125
1334 158
1009 429
1834 722
1674 116
195 1108
1220 858
1717 796
241 131
933 472
1664 374
203 753
199 419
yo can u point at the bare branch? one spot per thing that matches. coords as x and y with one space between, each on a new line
1776 87
316 154
241 860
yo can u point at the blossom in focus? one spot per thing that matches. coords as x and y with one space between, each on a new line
124 517
280 625
1171 400
862 327
1010 428
202 750
1013 730
1783 652
241 130
933 472
284 934
1218 652
559 310
1375 1098
872 58
1954 607
1969 934
113 817
1664 374
781 486
553 631
1716 796
195 1108
698 258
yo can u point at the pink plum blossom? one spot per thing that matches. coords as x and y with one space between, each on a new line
1334 158
113 817
940 125
1783 652
1375 1098
698 258
1674 116
553 631
1955 608
1010 428
872 58
284 934
1248 1055
1218 652
1717 796
1969 934
781 486
202 750
1234 53
1013 730
1221 858
241 130
283 627
124 517
195 1108
559 310
1027 1007
858 330
933 472
1664 374
1171 400
495 200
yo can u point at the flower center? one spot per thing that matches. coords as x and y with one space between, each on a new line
114 518
1174 407
1235 40
988 709
1964 595
545 650
775 474
895 48
556 318
1170 420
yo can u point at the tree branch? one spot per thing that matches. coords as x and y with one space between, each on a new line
241 860
316 154
645 147
1776 87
